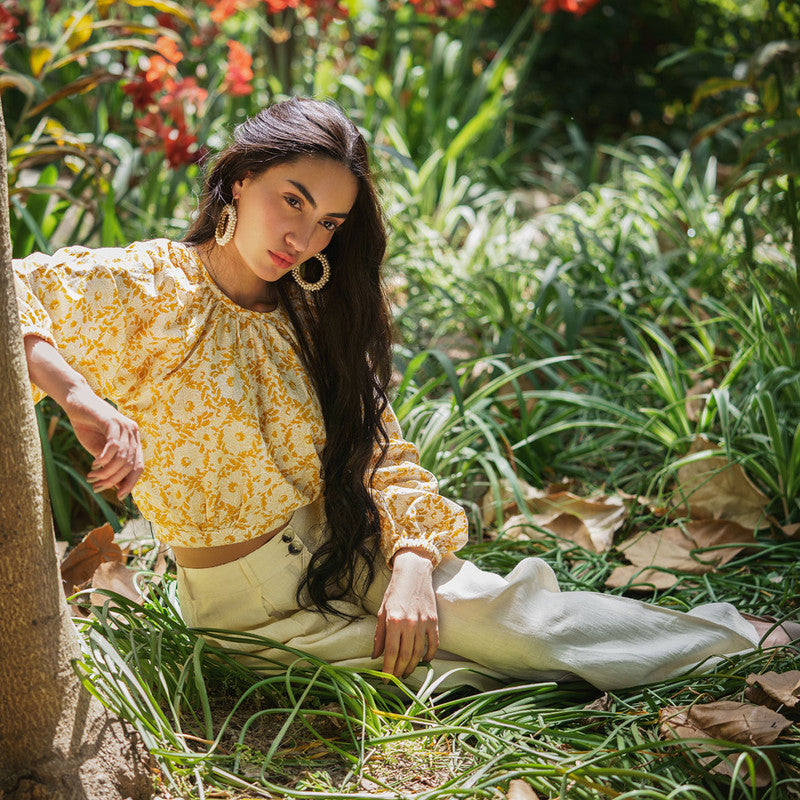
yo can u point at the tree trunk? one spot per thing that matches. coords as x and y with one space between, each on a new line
56 741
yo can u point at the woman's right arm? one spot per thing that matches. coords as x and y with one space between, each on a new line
111 437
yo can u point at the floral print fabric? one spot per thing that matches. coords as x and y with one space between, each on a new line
230 424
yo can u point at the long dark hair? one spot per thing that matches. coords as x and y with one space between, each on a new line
343 331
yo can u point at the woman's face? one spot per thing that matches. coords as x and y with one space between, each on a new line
290 212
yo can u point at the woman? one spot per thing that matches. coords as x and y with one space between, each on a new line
249 366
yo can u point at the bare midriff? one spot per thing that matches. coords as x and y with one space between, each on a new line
201 557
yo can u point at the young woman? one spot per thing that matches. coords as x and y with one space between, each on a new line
249 366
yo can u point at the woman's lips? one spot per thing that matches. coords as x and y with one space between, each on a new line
282 261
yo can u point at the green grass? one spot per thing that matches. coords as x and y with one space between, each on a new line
314 730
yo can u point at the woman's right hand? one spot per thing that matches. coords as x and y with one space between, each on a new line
111 437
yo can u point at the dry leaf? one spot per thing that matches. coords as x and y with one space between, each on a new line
715 488
687 550
589 523
696 400
97 547
521 790
601 517
638 579
118 578
740 723
602 703
507 499
791 530
680 550
775 689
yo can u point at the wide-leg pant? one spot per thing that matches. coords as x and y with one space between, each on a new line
520 626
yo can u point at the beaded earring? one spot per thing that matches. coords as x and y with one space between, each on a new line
226 225
323 279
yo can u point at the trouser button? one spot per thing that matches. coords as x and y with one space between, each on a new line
287 536
295 548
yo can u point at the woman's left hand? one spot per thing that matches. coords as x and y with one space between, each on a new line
408 624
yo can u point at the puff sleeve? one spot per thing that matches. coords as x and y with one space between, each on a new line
412 512
72 299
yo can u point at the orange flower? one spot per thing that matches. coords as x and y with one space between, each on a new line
238 73
168 49
576 7
274 6
162 66
450 8
224 9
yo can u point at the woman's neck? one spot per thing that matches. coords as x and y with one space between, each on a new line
234 279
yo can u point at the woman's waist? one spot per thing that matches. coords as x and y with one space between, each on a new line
204 544
214 555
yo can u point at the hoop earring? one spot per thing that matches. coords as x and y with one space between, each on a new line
226 225
324 278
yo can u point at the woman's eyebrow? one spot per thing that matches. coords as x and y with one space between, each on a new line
302 189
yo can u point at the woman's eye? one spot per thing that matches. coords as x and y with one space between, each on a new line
293 201
329 226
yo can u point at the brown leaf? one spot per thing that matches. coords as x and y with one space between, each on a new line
695 398
687 549
740 723
602 703
715 488
638 579
600 517
521 790
507 499
775 689
97 547
116 577
791 530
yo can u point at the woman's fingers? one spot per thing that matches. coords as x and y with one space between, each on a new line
405 644
121 461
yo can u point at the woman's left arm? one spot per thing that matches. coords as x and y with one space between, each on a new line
418 527
408 624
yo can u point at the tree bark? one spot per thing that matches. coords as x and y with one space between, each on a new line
56 741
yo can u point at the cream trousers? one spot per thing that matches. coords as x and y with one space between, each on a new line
491 628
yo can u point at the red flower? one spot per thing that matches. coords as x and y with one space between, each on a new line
450 8
274 6
9 23
180 95
238 73
180 147
167 21
142 92
576 7
326 11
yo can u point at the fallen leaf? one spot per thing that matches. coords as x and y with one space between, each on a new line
639 579
602 703
521 790
696 398
775 689
698 548
739 723
507 499
715 488
791 530
115 577
97 547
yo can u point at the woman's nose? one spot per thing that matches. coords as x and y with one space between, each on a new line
299 238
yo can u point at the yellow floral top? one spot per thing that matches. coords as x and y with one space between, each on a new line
230 425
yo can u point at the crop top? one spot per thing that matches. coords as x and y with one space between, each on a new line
231 427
